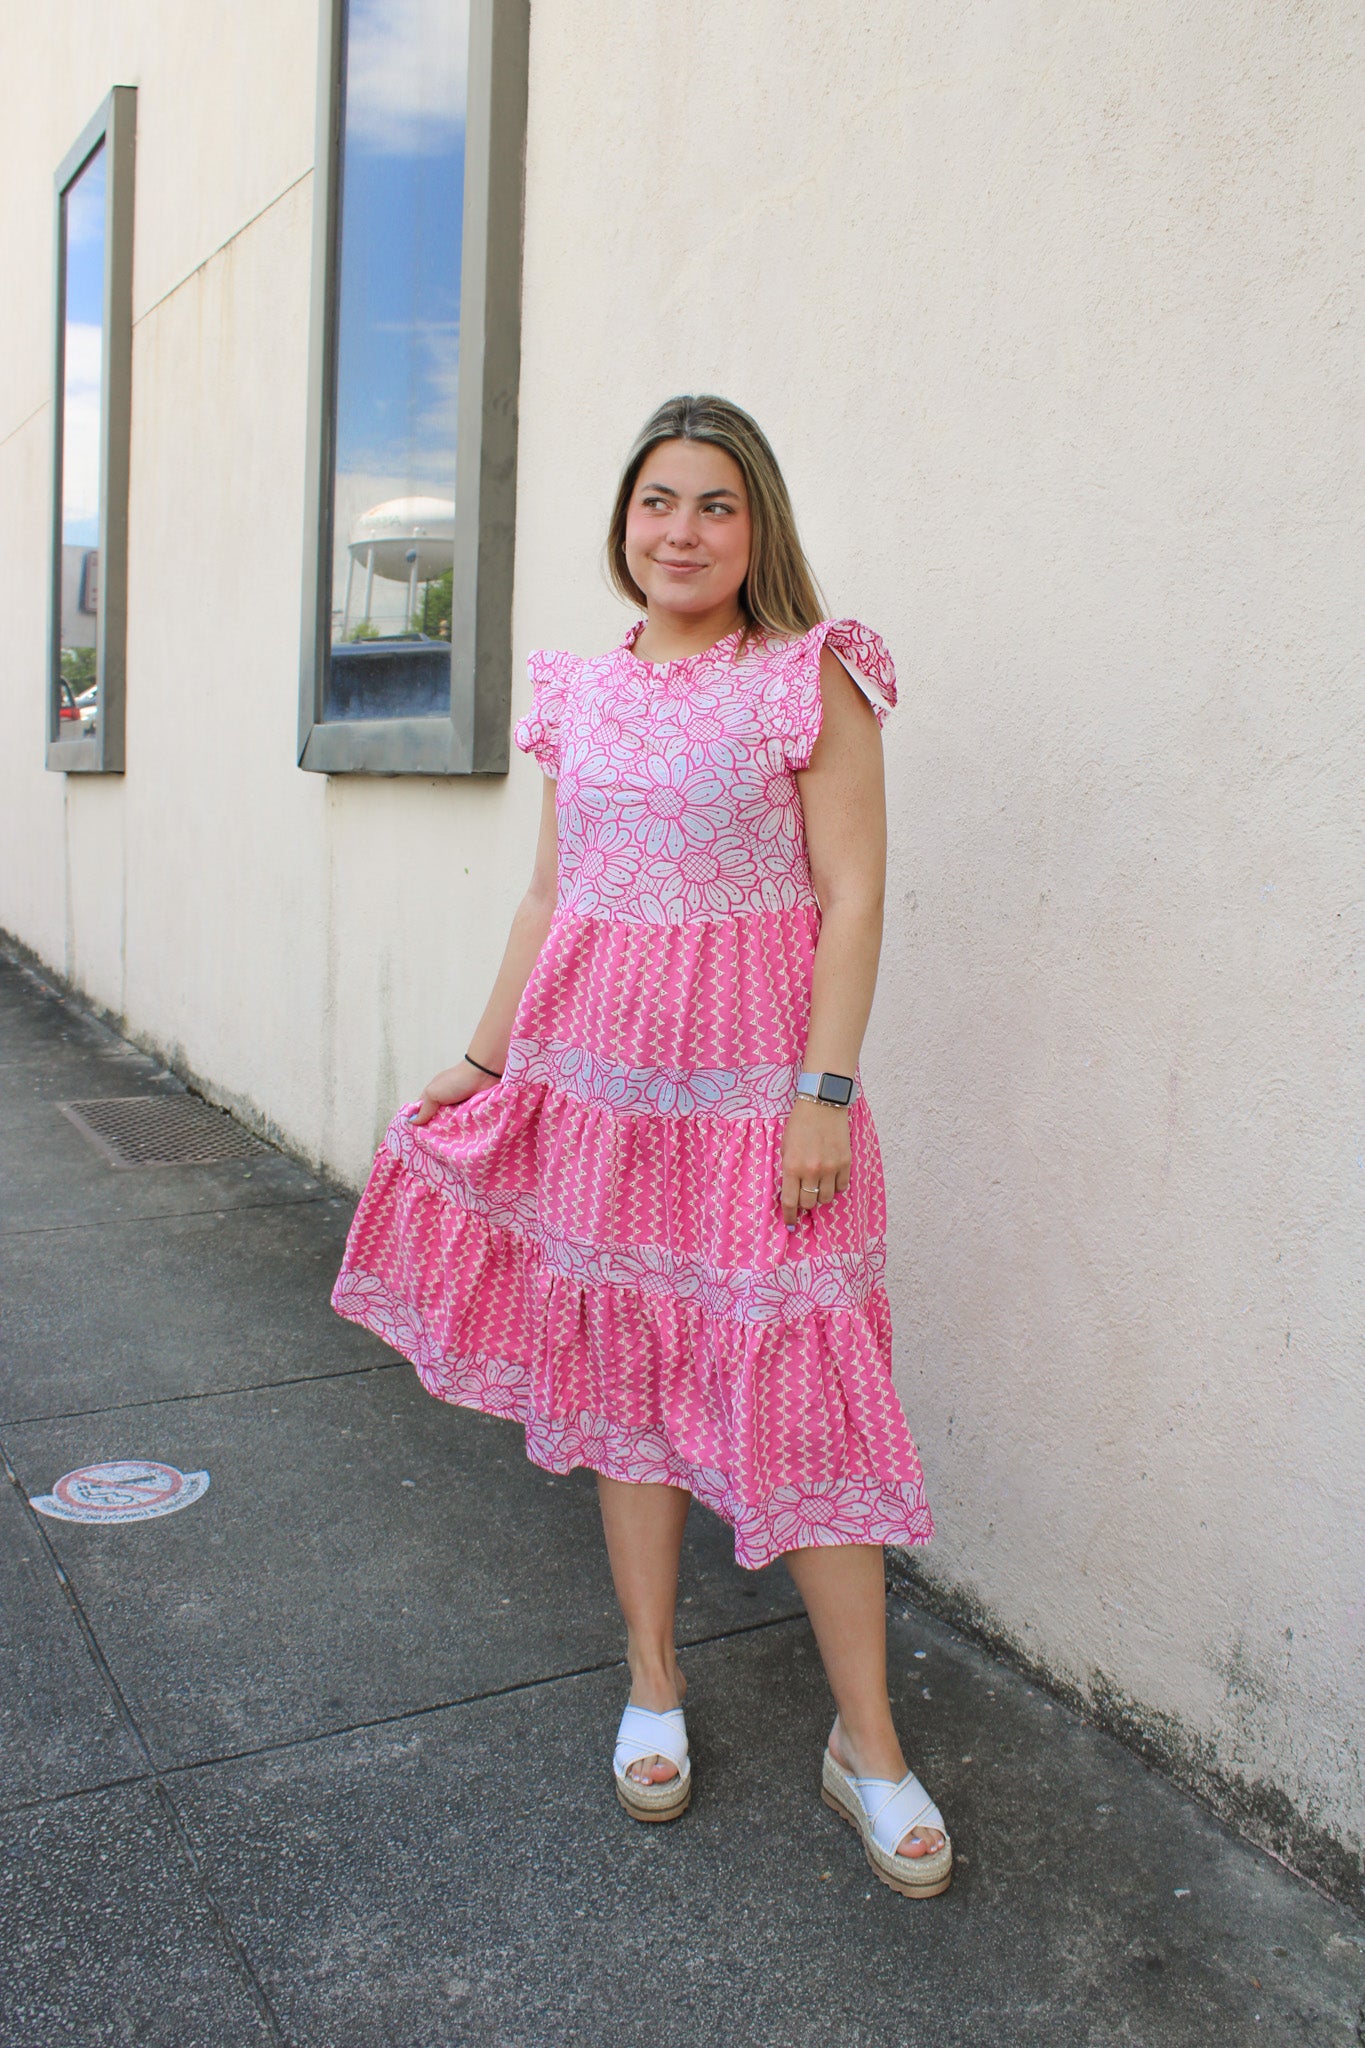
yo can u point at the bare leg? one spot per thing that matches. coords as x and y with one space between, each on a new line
844 1588
644 1530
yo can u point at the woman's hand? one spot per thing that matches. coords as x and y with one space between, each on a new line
453 1084
817 1157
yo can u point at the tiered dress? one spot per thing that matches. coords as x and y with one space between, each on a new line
594 1245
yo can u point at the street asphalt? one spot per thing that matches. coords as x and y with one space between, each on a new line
322 1757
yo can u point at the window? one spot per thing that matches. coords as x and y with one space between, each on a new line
406 657
91 392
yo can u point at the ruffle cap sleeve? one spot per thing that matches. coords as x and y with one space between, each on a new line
538 732
793 697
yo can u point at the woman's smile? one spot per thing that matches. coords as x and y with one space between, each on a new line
686 537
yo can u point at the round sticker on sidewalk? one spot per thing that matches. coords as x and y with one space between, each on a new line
129 1490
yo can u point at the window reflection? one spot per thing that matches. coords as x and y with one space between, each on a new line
401 199
83 246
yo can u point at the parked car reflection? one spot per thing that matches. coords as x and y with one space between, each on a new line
70 725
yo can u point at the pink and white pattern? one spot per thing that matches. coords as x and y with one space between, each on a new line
768 1089
784 1293
593 1246
676 796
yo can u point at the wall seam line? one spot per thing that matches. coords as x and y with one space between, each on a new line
213 254
27 421
171 290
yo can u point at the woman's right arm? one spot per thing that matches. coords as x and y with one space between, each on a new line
493 1032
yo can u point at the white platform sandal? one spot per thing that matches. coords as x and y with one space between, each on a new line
883 1814
643 1734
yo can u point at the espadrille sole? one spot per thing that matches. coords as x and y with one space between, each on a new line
671 1807
894 1871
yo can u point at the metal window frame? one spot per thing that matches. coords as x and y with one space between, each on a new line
475 738
114 125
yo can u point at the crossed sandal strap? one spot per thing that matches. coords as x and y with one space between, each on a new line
643 1734
892 1810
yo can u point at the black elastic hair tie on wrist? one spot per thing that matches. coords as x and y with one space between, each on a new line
481 1067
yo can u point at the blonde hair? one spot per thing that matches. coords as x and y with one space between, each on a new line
779 594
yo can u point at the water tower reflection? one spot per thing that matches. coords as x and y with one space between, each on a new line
391 654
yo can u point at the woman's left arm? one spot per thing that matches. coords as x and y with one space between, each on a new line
843 795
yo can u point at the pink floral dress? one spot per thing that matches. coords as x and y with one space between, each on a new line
594 1245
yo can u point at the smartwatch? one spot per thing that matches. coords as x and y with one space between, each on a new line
836 1088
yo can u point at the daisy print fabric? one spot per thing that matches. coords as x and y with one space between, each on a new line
594 1245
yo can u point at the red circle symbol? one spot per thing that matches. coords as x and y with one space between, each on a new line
126 1483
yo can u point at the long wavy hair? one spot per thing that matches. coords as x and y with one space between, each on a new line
779 594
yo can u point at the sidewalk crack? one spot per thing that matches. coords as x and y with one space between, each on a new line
153 1777
167 1216
302 1379
470 1699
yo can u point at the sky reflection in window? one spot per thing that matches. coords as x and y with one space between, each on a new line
82 414
401 192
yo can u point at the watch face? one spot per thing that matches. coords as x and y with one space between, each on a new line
836 1088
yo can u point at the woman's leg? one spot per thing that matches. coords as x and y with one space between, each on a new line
844 1588
644 1531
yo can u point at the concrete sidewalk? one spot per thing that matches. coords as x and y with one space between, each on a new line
322 1758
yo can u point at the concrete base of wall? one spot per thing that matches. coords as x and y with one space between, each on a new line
240 1107
1260 1813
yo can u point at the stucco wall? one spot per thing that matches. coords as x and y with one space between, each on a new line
1048 311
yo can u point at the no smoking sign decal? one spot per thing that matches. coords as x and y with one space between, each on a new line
128 1490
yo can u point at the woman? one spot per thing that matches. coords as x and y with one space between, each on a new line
645 1214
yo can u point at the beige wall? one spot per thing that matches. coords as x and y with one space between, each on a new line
1048 313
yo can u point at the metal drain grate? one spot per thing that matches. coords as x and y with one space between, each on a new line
161 1130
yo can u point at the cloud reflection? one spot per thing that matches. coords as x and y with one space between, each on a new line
406 76
82 356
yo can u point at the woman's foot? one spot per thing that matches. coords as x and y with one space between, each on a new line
658 1693
886 1762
